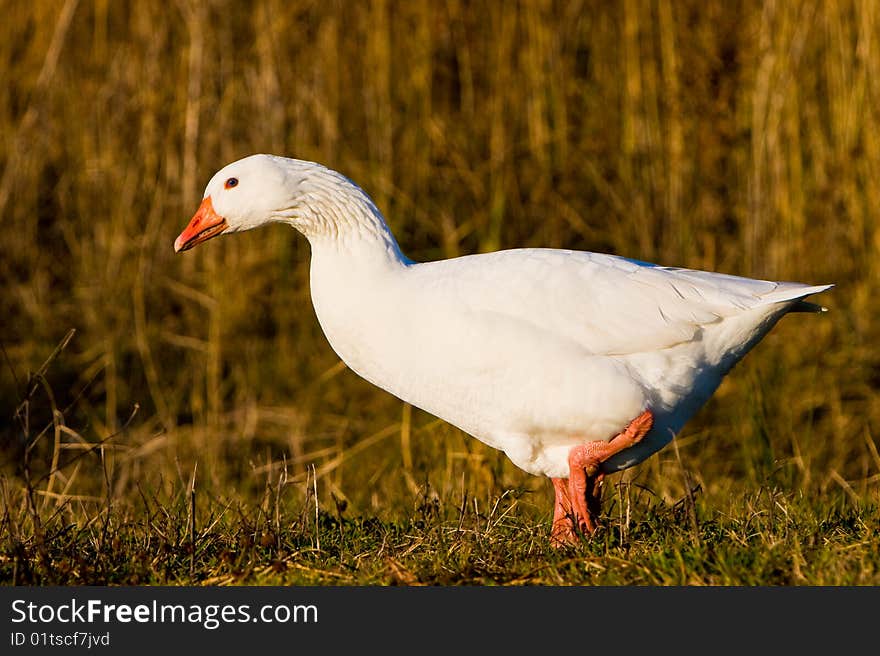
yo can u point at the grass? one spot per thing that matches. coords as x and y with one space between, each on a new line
196 428
174 532
769 537
274 528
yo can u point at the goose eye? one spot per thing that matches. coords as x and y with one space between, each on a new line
231 182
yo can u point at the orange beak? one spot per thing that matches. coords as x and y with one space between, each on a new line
206 223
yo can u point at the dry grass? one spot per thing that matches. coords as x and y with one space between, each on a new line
741 137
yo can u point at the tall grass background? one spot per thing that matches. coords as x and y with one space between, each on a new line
741 137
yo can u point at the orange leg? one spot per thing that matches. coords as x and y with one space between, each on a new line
579 499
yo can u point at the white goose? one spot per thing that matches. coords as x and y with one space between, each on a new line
574 364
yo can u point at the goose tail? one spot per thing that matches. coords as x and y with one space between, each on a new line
795 293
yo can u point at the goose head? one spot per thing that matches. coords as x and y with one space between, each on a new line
319 202
242 195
